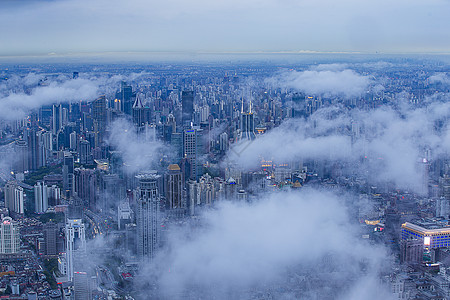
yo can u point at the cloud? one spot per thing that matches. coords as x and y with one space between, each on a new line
140 152
439 78
19 95
334 82
391 141
241 248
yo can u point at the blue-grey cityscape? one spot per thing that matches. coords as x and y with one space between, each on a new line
175 151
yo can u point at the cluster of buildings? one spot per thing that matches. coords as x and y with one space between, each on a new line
73 185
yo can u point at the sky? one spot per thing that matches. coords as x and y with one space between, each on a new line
43 27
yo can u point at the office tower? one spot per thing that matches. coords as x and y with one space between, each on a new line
124 214
223 142
112 190
36 153
40 197
14 198
84 150
85 186
57 118
54 195
247 124
75 75
75 242
81 286
187 105
176 142
18 200
174 187
125 96
9 191
99 118
193 150
139 114
21 149
241 196
9 236
50 231
148 215
68 171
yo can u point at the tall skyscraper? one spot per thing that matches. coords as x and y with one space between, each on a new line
75 242
125 96
9 236
14 197
81 286
187 105
174 187
68 174
21 149
148 215
247 124
40 197
50 231
99 117
139 115
193 150
57 118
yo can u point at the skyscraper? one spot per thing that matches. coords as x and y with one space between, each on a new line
187 105
68 174
193 150
50 231
75 241
148 215
247 124
99 117
9 236
174 187
14 197
57 118
40 197
125 96
21 149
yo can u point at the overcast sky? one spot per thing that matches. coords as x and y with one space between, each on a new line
70 26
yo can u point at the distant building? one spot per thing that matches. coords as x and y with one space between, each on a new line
14 197
187 105
9 236
81 286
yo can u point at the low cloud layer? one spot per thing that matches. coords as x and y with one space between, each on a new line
392 141
328 80
285 241
140 152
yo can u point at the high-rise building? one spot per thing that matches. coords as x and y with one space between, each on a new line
21 149
139 114
57 118
68 174
40 197
81 286
125 96
187 106
99 118
174 187
75 242
124 214
247 124
193 150
9 236
14 197
148 215
50 231
86 186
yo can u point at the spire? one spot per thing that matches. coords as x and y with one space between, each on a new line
138 102
250 109
242 105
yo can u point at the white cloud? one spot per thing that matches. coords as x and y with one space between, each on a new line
334 82
241 247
